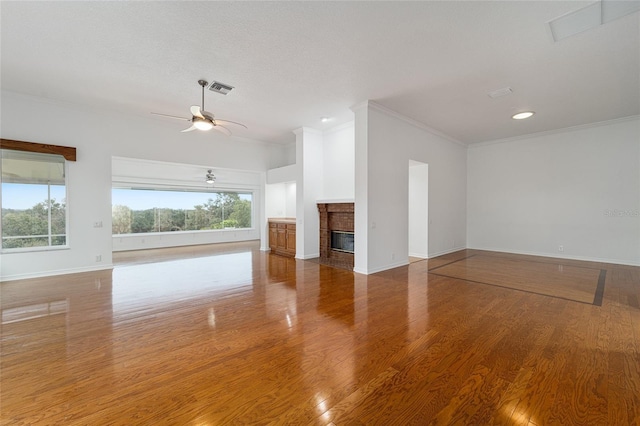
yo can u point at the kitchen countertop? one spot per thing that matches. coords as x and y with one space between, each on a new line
289 220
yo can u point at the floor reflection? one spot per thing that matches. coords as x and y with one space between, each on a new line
162 282
336 295
247 337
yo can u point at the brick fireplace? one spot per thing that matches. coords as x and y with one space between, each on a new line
336 234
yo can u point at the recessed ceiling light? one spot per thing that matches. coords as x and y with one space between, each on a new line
522 115
324 119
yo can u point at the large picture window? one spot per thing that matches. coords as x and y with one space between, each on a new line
136 211
33 194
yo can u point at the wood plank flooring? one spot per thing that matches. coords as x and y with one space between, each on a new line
217 336
577 283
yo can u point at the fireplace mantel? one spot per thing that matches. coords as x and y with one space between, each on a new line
336 201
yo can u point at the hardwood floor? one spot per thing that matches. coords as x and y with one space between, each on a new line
211 336
578 283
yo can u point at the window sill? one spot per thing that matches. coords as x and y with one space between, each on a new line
204 231
34 249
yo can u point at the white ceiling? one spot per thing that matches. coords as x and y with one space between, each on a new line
294 62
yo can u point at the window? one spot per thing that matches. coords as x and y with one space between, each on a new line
136 211
33 194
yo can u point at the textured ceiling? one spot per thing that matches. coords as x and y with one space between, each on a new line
294 62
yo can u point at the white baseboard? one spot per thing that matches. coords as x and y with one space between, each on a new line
382 268
308 256
418 255
557 256
56 272
443 252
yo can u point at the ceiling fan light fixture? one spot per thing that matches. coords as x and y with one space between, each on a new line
522 115
202 123
203 120
210 177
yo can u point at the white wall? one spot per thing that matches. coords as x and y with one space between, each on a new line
382 159
280 192
579 188
338 163
276 203
282 174
281 200
99 135
290 190
282 155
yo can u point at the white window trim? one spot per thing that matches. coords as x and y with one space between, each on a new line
191 188
67 244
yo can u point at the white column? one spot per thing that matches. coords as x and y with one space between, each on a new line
308 191
361 215
262 216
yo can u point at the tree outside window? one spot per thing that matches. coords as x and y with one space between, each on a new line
142 211
33 200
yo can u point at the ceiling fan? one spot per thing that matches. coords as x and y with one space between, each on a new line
203 120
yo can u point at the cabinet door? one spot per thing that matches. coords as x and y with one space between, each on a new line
273 237
282 239
291 241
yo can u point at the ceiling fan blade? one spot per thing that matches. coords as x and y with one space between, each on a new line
189 129
232 122
195 110
171 116
221 128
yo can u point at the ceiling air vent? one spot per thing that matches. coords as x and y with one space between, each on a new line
221 88
590 16
500 92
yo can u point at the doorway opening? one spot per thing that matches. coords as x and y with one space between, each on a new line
418 203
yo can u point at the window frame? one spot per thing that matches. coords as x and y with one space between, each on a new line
48 151
192 189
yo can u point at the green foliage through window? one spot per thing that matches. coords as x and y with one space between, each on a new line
143 211
33 200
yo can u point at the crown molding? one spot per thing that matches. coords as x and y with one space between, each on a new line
359 106
301 130
347 125
411 121
556 131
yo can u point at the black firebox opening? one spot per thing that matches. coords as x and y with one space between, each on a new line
342 241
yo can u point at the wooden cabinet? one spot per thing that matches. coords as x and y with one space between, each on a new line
291 240
273 236
282 237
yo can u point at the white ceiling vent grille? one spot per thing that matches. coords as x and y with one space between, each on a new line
221 88
500 92
591 16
